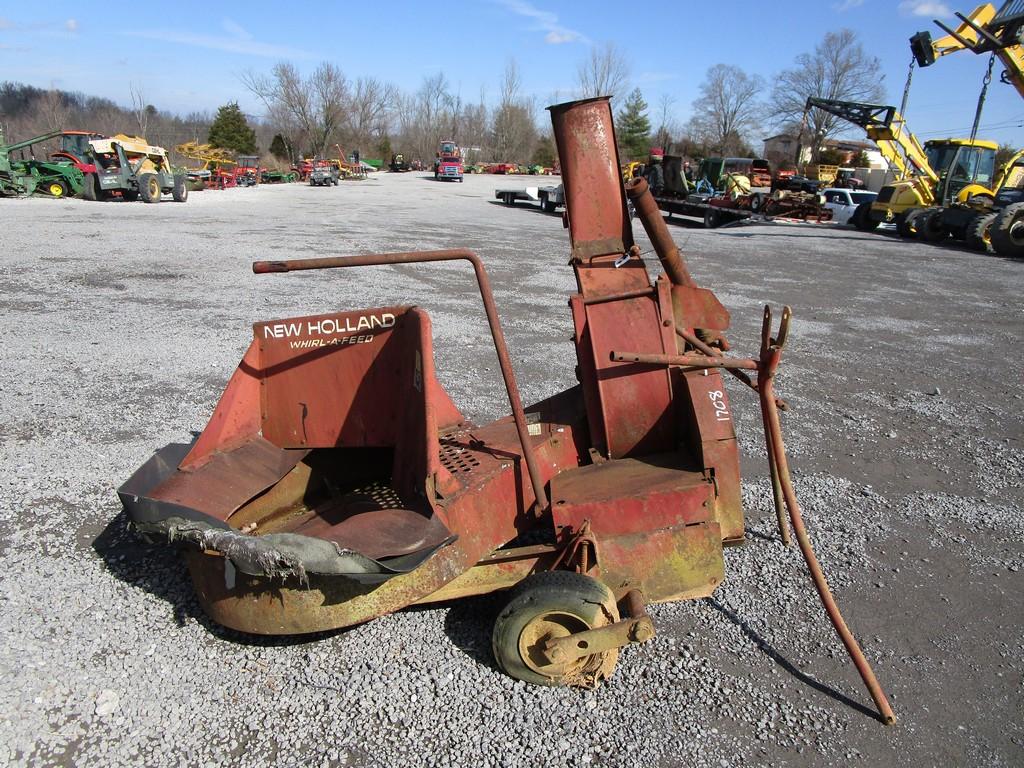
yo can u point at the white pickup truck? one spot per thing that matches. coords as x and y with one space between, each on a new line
548 197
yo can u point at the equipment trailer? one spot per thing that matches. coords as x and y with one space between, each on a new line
549 198
680 197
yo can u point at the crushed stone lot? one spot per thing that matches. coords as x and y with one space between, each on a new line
123 321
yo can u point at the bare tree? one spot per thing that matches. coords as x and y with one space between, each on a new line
605 72
839 68
370 111
312 107
53 110
473 131
727 109
139 108
666 124
514 130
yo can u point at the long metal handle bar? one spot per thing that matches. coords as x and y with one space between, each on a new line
684 361
491 309
771 352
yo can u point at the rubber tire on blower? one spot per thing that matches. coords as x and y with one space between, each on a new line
711 218
180 190
563 601
1007 232
979 234
149 188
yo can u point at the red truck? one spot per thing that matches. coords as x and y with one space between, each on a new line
448 164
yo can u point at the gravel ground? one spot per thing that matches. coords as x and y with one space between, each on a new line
122 322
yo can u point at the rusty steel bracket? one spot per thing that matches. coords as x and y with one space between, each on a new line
636 628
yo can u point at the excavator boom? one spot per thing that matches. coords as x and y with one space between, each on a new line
985 30
887 128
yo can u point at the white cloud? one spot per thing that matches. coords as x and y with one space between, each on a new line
235 29
6 23
235 44
559 37
924 8
846 5
544 21
71 25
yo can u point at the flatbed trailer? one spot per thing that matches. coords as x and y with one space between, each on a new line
549 198
715 216
712 215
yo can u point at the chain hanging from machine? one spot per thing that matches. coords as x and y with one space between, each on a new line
981 96
906 88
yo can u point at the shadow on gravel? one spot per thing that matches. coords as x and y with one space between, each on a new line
762 536
790 234
525 205
469 623
160 570
783 662
685 223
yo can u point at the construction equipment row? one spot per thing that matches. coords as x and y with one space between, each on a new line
92 166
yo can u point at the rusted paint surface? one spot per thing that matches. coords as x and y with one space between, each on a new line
491 509
650 216
630 496
635 402
685 361
677 563
228 479
490 309
594 200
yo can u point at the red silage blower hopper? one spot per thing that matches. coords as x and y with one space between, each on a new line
337 482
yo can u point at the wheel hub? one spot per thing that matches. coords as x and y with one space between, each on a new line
548 626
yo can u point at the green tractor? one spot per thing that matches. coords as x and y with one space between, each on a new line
21 176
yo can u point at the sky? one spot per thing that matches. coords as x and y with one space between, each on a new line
189 56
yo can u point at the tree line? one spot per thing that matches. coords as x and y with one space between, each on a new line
326 111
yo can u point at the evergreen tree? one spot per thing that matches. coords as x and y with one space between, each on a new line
230 130
279 148
544 152
634 127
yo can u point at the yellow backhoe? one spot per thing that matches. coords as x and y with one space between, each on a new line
998 33
942 187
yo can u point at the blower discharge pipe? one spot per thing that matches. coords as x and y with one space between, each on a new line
650 216
491 309
770 355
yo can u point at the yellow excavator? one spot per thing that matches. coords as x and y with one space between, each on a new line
942 187
998 33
